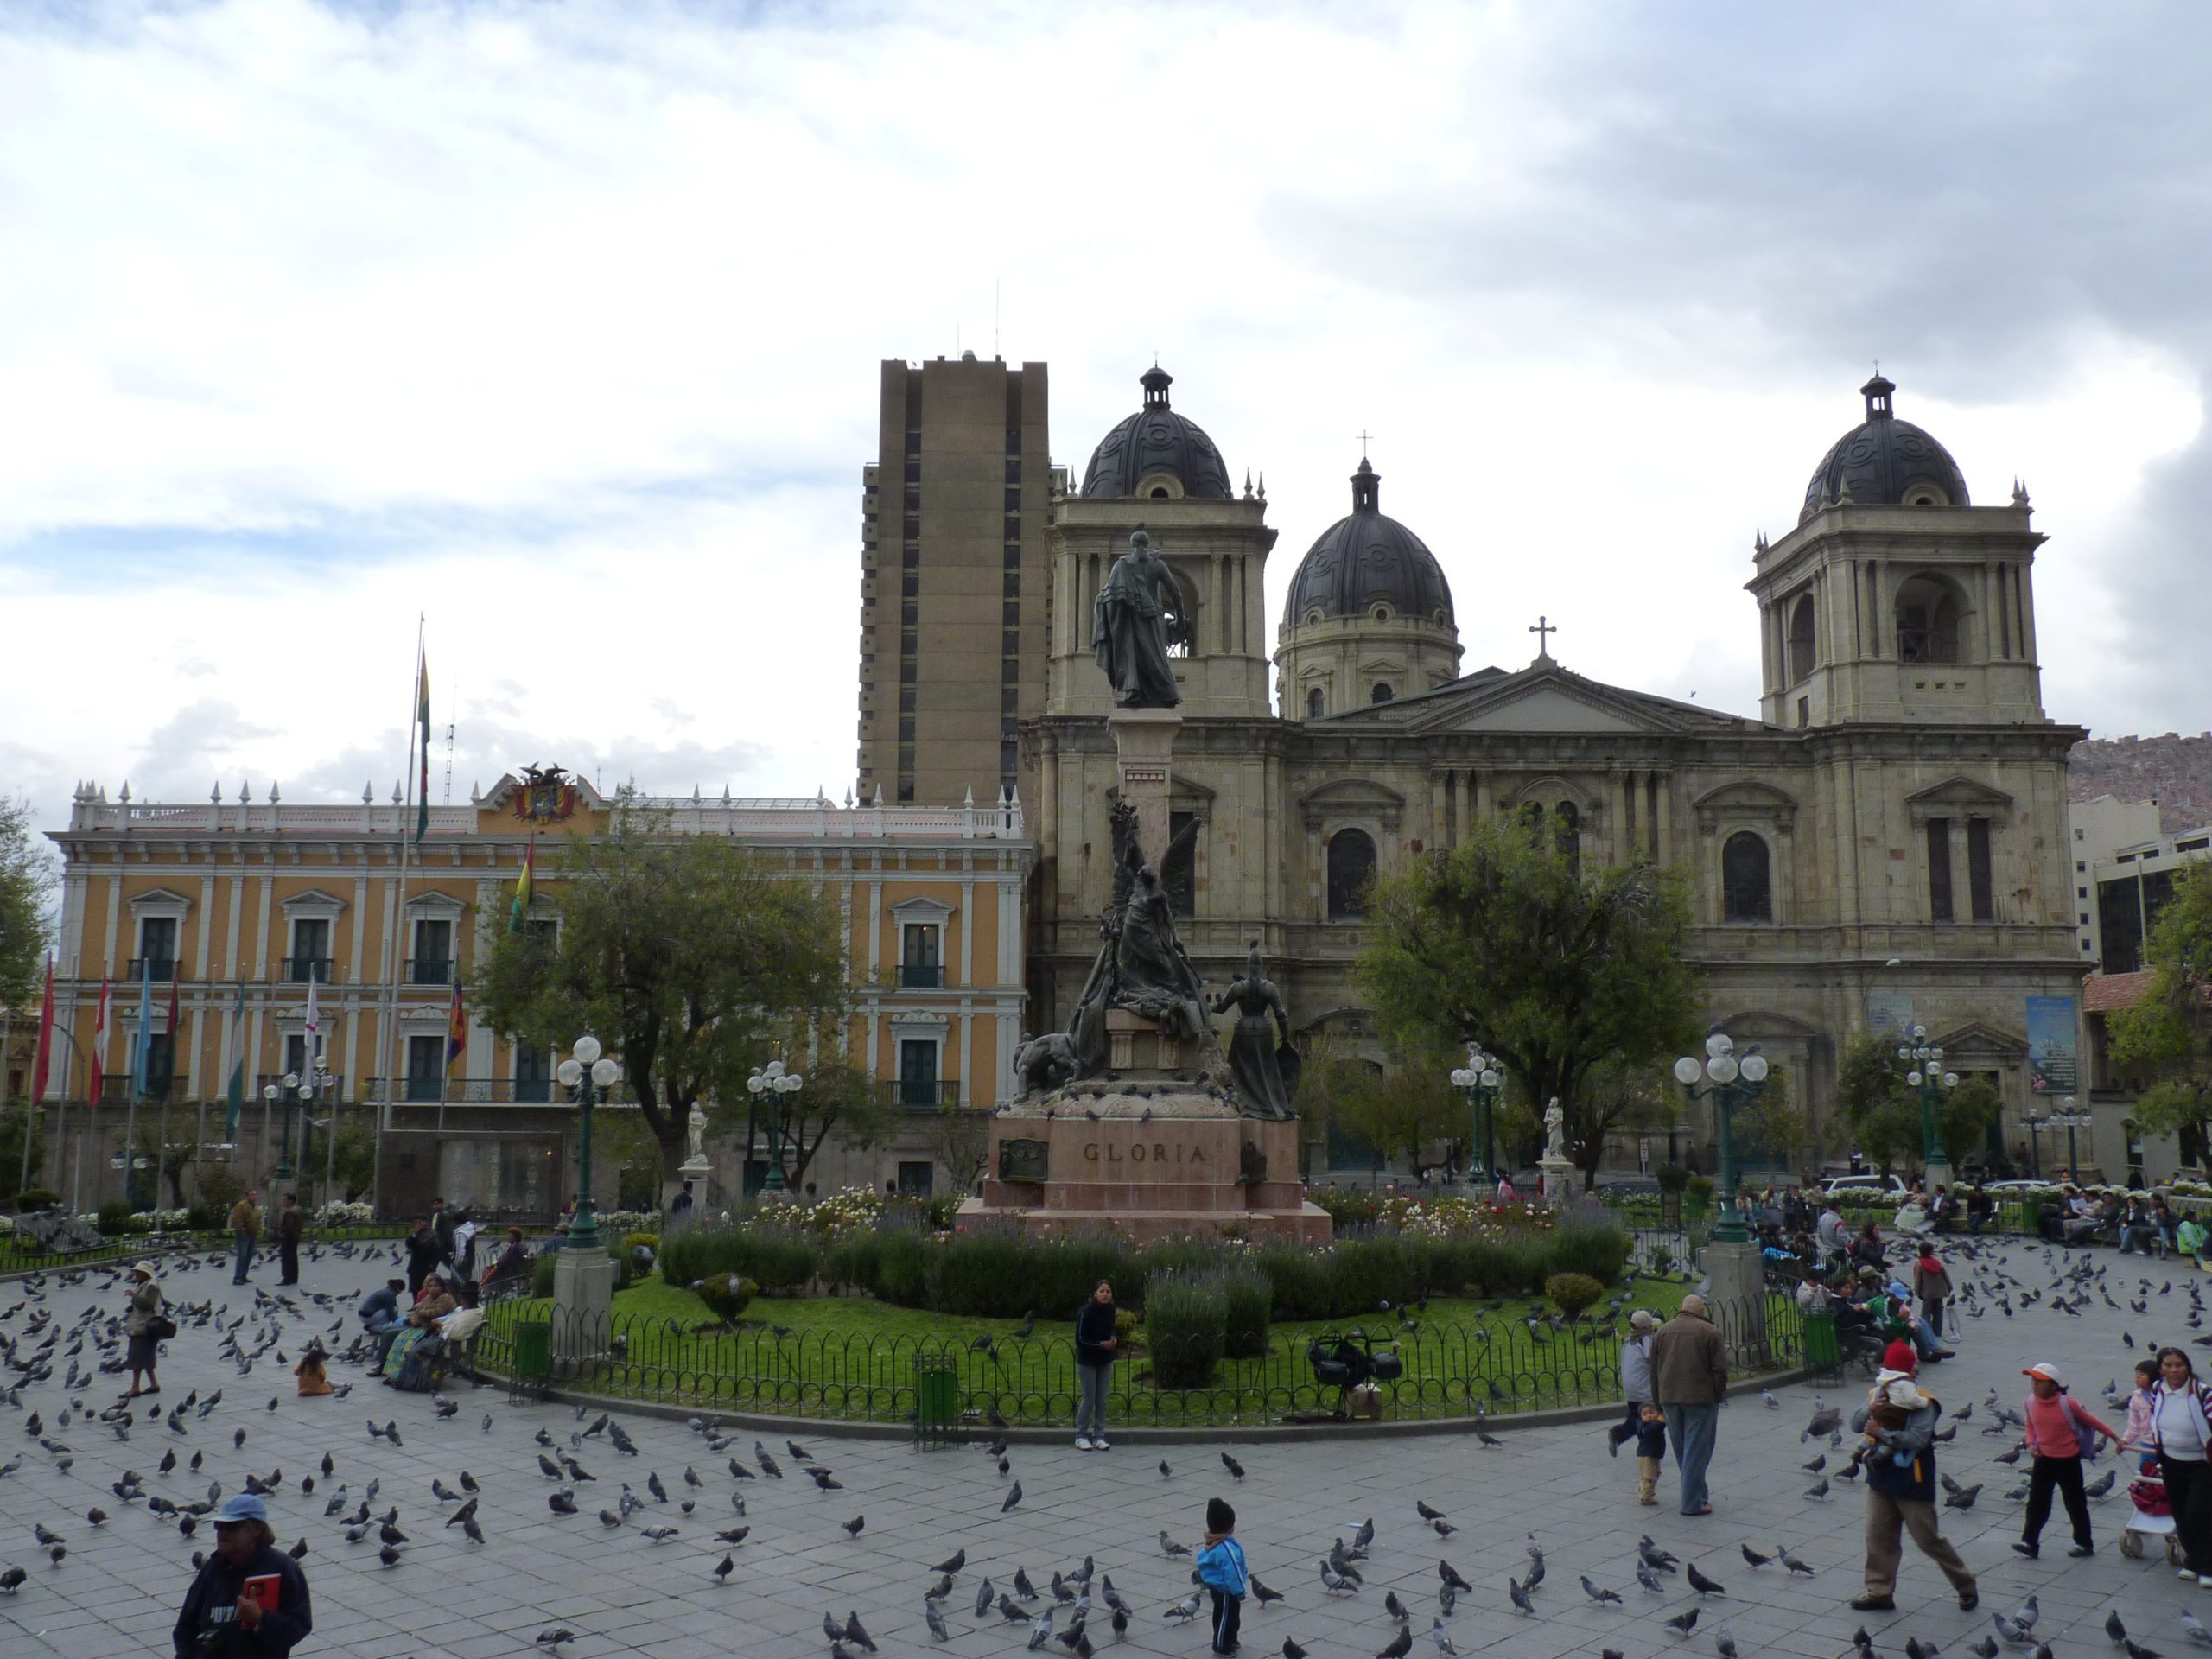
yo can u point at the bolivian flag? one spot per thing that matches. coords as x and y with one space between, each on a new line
520 907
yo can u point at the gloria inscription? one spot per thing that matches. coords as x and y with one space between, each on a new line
1151 1153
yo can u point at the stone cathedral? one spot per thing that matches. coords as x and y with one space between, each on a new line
1884 843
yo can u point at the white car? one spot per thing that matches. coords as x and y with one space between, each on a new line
1878 1186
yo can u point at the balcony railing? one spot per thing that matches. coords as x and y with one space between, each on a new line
429 970
116 1091
299 971
483 1091
922 1094
160 969
920 976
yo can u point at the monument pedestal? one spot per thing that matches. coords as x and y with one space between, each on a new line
583 1300
1559 1180
1144 739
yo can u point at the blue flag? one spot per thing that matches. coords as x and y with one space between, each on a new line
142 1040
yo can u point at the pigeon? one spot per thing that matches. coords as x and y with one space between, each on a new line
1236 1469
853 1527
1753 1557
1794 1564
2102 1487
1451 1577
1520 1597
1392 1607
2195 1629
1165 1473
1398 1646
1186 1608
1826 1420
1598 1593
1723 1644
2114 1629
1260 1594
1292 1651
930 1617
1818 1488
1682 1623
952 1563
554 1639
1012 1497
1963 1499
1700 1583
1442 1637
725 1566
2135 1650
854 1630
1169 1547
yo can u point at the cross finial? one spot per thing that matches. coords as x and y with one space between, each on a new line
1544 628
1363 437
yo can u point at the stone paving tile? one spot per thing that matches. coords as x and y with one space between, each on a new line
118 1590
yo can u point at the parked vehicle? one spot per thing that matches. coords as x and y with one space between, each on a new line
1883 1185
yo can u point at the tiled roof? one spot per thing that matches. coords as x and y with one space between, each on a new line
2104 993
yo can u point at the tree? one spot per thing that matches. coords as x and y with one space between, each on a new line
839 1100
1559 973
688 957
1408 1106
2168 1034
1884 1109
26 883
959 1139
17 1119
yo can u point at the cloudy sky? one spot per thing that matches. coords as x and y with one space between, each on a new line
559 324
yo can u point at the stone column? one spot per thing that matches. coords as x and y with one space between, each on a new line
1143 741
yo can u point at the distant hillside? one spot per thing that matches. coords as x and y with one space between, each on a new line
2174 770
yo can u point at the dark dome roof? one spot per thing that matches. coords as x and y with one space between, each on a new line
1880 460
1365 560
1156 439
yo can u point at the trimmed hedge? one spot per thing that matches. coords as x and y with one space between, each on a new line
1002 1274
1185 1325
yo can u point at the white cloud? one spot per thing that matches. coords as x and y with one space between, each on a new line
559 324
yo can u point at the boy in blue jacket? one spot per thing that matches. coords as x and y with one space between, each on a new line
1222 1570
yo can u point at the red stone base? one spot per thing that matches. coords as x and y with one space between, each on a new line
1183 1169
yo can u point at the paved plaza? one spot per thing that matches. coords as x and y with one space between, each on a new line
118 1588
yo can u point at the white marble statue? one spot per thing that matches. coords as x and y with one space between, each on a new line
697 1123
1555 1130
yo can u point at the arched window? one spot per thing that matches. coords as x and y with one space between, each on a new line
1351 869
1927 621
1800 640
1567 828
1747 892
1383 693
1314 703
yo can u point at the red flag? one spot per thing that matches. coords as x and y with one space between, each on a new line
168 1081
97 1075
456 1028
45 1037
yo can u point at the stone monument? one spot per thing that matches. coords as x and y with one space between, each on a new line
1558 1168
1131 1120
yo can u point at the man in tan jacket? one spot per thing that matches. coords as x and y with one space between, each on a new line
1689 1374
246 1227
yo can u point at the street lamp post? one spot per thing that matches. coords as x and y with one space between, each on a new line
289 1094
2035 1145
2070 1120
1479 1078
1928 1077
773 1084
588 1073
1731 1080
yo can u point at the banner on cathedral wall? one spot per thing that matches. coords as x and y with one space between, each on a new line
1889 1013
2053 1066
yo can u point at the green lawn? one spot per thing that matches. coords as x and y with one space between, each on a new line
853 1358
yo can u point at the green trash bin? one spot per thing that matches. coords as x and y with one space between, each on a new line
533 1348
1823 1352
936 1399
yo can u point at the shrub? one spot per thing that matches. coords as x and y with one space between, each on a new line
1186 1318
1125 1327
1700 1187
1247 1297
541 1275
650 1241
37 1197
202 1216
856 1262
114 1218
1672 1177
1573 1292
904 1265
725 1295
219 1185
1304 1281
776 1259
1599 1252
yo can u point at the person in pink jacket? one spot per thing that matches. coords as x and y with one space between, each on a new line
2142 1409
2058 1431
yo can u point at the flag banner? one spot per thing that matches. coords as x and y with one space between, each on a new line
43 1055
311 1038
234 1091
96 1078
422 743
142 1040
456 1029
167 1079
518 910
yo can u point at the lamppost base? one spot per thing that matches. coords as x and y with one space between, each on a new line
1735 1277
583 1301
1937 1174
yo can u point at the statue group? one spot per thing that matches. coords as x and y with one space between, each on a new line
1141 965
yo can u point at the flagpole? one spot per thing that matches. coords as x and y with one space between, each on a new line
386 1037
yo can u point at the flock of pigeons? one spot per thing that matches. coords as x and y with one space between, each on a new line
61 1367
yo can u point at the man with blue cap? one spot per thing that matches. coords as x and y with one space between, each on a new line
251 1598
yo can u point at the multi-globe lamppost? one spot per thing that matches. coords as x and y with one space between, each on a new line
1732 1081
1479 1078
589 1074
2070 1120
772 1084
1933 1081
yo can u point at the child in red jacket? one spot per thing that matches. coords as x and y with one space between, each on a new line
2058 1433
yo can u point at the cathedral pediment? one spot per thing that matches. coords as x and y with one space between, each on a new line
1352 798
1745 800
1542 698
1958 796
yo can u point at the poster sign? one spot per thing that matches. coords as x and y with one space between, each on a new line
1889 1013
2052 1064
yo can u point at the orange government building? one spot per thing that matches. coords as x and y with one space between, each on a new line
294 902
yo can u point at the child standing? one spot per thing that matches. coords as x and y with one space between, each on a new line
1933 1286
2058 1433
2142 1408
1650 1451
1222 1570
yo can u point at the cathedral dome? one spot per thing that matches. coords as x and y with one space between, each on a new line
1157 452
1366 560
1885 462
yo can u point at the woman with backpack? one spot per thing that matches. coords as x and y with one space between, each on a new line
146 1325
2181 1429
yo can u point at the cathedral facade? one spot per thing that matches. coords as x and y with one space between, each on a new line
1883 844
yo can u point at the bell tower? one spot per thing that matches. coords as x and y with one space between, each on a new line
1895 599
